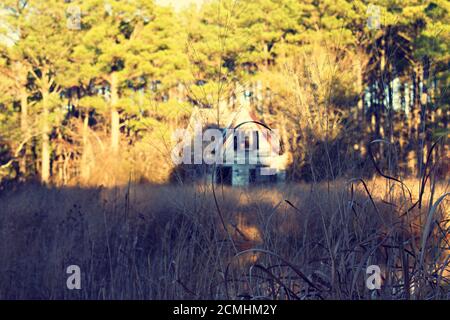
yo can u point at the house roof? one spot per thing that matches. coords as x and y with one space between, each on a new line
207 117
244 118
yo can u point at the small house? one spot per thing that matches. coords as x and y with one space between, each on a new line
248 152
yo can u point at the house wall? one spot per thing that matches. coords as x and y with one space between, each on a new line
243 165
240 175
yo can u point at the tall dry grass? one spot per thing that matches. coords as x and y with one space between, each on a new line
293 241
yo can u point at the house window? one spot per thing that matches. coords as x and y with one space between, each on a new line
247 143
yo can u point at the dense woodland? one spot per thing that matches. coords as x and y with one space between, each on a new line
91 90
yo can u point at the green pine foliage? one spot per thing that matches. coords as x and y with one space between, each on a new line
84 75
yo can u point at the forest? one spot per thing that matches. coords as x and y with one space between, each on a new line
92 91
89 83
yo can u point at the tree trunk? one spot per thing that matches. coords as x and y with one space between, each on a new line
425 115
86 157
24 128
381 107
45 170
418 113
360 114
115 119
58 163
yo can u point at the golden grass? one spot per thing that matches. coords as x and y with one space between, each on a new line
168 242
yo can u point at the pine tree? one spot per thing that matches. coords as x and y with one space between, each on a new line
128 47
41 50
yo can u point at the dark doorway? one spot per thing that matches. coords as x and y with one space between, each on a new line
252 177
223 175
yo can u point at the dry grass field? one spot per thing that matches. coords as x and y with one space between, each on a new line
121 121
293 241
